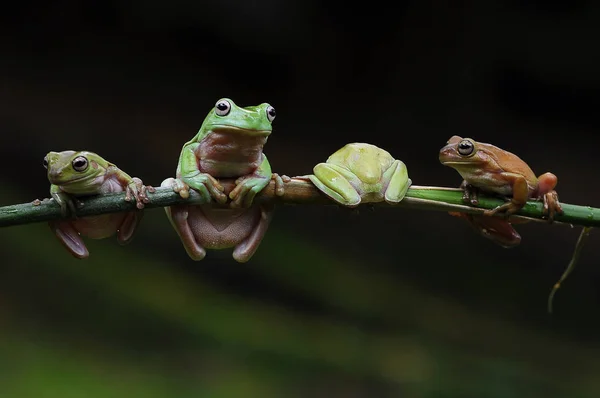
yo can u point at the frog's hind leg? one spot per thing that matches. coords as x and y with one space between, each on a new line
399 182
69 237
546 184
331 181
498 230
128 227
178 215
518 200
246 248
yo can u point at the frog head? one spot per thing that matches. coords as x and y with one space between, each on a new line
226 116
72 167
464 153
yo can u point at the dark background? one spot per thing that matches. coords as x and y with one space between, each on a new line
385 303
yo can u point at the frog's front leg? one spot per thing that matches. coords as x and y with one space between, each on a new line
68 204
69 237
178 217
246 248
177 186
397 175
332 180
205 184
136 190
247 187
470 193
520 195
134 187
279 183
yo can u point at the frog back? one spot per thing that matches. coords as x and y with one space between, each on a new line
508 162
365 161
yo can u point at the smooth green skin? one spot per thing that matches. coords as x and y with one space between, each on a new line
247 120
362 173
67 183
98 177
226 146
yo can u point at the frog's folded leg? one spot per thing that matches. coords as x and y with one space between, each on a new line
69 237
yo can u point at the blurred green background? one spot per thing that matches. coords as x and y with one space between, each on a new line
390 303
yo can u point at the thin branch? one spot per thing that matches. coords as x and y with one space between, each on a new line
297 191
585 232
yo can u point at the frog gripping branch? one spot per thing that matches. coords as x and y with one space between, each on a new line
75 174
218 199
490 169
361 173
229 144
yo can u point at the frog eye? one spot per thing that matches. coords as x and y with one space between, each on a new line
80 163
45 163
466 148
222 108
271 113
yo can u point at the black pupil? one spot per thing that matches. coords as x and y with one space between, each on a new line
79 163
45 162
272 112
464 145
222 106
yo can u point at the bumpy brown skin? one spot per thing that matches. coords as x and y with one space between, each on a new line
491 169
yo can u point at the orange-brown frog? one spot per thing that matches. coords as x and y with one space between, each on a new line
490 169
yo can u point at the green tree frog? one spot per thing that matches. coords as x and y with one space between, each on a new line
491 169
361 173
229 144
73 174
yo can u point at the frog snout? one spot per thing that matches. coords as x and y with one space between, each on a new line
54 174
444 152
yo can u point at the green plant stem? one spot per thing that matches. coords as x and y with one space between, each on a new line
298 191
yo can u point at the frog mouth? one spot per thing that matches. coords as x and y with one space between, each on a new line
57 181
457 162
469 161
223 128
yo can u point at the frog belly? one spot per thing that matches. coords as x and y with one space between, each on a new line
102 226
221 228
505 190
226 154
99 227
489 182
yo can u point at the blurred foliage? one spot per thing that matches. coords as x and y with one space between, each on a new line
375 304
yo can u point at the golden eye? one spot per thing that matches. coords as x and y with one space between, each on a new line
80 163
222 108
466 148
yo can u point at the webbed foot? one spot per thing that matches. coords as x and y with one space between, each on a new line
552 206
246 188
138 191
